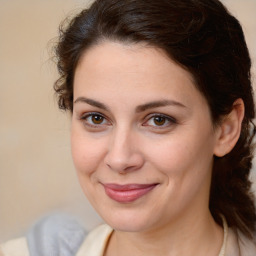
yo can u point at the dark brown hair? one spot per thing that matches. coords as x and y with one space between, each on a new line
205 39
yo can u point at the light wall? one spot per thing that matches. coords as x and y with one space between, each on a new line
36 171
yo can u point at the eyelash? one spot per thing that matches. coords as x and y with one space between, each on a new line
86 122
85 118
170 121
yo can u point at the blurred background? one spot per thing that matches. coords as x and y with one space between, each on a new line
37 176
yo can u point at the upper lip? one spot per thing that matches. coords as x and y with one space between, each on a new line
126 187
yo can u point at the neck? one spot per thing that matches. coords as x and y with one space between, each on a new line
199 235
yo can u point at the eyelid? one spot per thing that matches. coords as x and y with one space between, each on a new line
86 115
170 119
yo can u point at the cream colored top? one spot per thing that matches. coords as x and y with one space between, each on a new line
16 247
95 243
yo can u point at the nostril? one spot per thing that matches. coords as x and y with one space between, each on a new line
127 169
123 155
125 164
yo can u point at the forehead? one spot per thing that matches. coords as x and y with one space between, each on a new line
130 57
134 69
109 57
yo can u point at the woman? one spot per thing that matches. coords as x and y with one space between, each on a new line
162 108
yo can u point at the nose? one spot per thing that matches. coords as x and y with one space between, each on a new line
124 154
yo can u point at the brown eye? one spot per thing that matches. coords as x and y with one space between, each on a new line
159 120
94 119
97 119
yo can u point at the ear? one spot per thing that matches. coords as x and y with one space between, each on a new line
228 132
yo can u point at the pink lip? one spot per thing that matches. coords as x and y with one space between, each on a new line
127 193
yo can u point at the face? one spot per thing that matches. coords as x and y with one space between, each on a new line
142 137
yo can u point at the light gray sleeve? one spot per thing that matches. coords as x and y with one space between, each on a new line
55 235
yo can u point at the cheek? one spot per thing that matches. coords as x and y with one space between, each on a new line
169 154
183 158
86 152
187 172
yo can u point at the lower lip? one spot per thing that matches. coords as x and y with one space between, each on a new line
127 195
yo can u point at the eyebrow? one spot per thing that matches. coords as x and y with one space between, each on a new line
140 108
91 102
157 104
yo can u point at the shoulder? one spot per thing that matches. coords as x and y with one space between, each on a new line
57 234
239 245
96 241
247 246
16 247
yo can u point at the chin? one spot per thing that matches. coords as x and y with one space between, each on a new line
128 227
128 221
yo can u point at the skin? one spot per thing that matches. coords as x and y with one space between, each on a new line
117 136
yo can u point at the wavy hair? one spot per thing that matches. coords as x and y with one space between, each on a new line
205 39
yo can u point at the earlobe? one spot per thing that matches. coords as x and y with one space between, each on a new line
229 130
